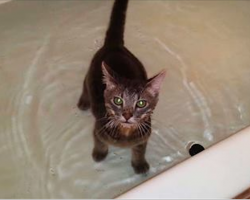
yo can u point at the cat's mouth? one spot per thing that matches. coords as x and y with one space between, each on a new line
127 124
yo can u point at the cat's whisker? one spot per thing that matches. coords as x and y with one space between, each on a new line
116 132
104 128
137 128
140 130
153 119
142 134
103 118
146 126
114 129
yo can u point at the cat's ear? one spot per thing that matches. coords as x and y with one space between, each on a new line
154 84
108 79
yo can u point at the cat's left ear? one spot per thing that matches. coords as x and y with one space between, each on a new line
154 84
108 79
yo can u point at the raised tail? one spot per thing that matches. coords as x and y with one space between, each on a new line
114 34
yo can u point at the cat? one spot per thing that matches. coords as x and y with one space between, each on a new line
121 97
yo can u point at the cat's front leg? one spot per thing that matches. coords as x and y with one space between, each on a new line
84 102
100 150
139 162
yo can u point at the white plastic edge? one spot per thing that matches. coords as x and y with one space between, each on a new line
221 171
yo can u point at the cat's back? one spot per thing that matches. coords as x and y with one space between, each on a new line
121 61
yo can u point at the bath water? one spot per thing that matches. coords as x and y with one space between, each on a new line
45 51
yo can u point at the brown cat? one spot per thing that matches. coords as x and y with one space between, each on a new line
120 95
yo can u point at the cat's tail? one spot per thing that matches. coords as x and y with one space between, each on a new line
114 34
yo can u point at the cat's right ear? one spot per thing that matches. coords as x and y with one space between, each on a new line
108 79
154 84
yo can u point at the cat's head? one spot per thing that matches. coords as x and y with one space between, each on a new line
130 103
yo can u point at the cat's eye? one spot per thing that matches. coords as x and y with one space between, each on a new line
141 103
118 101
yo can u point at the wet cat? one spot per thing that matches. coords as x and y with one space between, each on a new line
121 97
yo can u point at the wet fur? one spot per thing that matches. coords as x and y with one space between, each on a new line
130 75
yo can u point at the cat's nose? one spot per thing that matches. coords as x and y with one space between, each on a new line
127 115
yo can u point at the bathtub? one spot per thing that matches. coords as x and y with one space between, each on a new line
222 171
48 157
4 1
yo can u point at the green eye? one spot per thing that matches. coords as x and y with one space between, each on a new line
118 101
141 103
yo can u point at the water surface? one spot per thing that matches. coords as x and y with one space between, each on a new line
45 51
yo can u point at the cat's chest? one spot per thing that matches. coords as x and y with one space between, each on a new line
127 131
124 136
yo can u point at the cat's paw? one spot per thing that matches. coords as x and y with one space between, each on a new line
141 168
83 104
99 156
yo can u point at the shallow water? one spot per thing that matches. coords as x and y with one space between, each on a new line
45 50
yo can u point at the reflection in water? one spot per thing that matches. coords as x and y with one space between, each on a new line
46 47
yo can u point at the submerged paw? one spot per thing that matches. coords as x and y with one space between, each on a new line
83 105
141 168
99 156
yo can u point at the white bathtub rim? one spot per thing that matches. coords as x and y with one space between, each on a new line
215 180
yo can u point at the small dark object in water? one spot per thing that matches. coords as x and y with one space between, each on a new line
195 149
